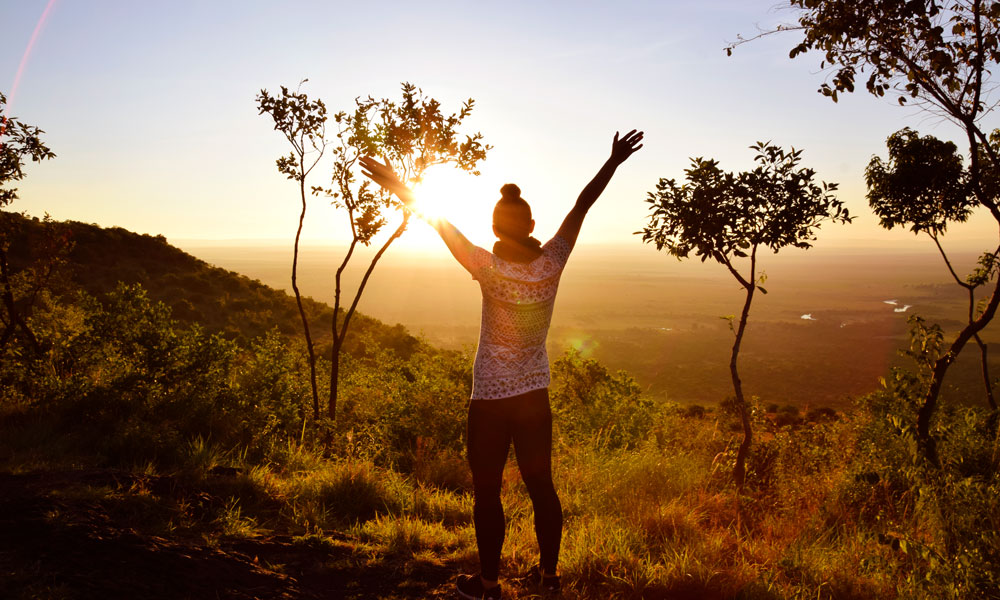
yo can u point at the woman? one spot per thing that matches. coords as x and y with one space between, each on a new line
510 401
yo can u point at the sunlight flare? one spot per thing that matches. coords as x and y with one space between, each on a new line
443 194
452 194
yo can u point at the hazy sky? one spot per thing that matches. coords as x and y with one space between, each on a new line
150 105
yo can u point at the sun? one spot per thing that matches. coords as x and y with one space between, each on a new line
442 194
449 193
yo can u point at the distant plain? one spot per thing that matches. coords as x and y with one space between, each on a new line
662 320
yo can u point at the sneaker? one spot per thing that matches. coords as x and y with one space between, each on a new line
470 587
550 584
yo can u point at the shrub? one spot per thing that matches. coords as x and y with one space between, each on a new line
594 405
695 410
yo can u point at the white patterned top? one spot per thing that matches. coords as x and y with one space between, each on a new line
517 310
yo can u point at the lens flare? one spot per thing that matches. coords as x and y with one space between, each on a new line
24 62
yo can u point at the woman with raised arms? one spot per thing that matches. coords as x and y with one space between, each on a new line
510 401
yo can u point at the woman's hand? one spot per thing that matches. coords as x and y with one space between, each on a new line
383 175
625 147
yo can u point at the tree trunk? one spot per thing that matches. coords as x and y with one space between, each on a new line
298 301
16 319
925 441
339 337
334 380
983 351
739 471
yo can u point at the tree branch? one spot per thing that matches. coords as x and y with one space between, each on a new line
947 262
371 267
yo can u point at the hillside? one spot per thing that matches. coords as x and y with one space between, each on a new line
221 301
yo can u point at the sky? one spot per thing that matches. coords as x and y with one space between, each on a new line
150 108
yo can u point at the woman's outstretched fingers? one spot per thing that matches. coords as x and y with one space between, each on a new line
625 146
633 140
380 173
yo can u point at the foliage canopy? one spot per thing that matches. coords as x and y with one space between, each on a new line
719 215
18 142
925 49
413 134
923 184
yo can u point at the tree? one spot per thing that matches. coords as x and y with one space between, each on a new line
18 291
924 185
413 135
939 54
728 218
303 123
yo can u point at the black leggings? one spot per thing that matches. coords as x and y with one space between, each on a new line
527 421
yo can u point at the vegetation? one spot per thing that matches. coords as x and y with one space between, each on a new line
303 123
412 134
728 217
924 185
941 56
163 437
20 142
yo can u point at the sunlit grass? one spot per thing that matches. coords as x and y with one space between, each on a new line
654 522
233 523
410 535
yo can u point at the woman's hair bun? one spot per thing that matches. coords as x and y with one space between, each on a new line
509 191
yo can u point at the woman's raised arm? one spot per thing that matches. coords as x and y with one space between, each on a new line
621 149
460 247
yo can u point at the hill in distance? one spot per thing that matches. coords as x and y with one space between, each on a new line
222 301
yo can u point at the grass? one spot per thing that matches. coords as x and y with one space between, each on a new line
659 521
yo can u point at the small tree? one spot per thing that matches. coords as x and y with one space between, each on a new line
303 123
728 218
412 134
938 54
20 142
924 185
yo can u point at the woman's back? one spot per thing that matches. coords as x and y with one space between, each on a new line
517 311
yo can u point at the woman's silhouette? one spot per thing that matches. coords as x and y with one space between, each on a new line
510 401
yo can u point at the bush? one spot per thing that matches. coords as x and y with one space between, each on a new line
942 522
594 405
127 381
696 411
821 415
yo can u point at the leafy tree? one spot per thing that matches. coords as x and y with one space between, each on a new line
938 54
20 142
924 185
413 134
726 217
303 123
